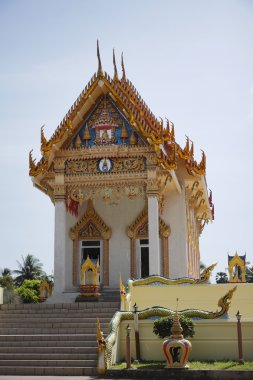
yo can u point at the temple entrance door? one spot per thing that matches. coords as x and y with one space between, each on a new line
144 258
92 248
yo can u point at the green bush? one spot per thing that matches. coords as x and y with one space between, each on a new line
7 282
29 291
162 326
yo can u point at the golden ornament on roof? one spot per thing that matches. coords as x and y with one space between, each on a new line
132 139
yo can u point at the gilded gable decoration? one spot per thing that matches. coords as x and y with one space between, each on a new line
91 224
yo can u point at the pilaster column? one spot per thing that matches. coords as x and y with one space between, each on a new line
153 234
106 262
59 246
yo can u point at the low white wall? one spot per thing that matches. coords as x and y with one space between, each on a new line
214 340
1 296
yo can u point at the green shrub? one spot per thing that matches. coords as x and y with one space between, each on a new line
29 291
162 326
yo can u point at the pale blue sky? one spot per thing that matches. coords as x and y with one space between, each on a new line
191 61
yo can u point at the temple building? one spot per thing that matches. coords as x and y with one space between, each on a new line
126 194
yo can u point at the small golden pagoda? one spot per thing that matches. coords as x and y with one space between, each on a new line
237 268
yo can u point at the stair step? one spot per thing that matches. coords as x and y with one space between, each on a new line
50 363
42 330
46 356
54 320
50 307
49 343
107 314
47 325
48 371
47 337
53 339
49 350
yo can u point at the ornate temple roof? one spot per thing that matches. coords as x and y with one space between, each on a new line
158 135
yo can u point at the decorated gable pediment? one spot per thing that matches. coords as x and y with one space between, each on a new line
105 125
90 226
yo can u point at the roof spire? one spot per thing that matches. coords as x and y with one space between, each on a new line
100 71
115 67
123 68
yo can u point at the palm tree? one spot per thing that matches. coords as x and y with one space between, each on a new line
221 278
29 269
6 280
6 272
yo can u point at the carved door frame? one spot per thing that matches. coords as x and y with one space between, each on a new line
139 230
90 227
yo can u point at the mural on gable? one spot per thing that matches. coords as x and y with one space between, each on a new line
105 126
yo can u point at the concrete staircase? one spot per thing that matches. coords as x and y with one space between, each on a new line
52 339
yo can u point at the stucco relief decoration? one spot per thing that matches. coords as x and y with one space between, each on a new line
90 224
89 231
105 165
106 126
75 197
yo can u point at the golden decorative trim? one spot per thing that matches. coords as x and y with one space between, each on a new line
204 278
94 219
165 252
119 165
141 220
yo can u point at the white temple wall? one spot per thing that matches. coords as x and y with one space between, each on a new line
174 214
118 218
70 222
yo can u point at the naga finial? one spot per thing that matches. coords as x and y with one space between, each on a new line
100 71
206 273
115 67
167 127
202 163
42 136
187 146
192 149
173 132
32 164
123 68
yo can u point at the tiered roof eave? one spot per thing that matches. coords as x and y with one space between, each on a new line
160 138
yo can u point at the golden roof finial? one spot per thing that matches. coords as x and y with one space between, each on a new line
32 164
115 67
173 132
42 136
187 146
167 130
192 149
202 163
100 71
123 68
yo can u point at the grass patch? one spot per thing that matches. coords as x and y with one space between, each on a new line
211 365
